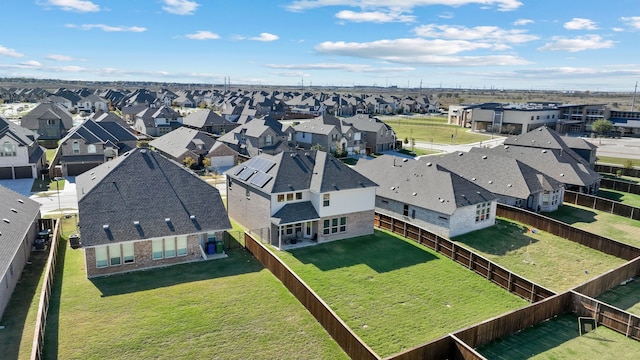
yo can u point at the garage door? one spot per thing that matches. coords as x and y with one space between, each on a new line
6 173
77 169
23 172
222 161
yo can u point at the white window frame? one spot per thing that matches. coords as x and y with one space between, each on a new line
102 257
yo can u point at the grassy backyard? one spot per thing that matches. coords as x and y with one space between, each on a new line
559 338
231 308
625 297
599 222
548 260
624 197
432 129
394 293
617 160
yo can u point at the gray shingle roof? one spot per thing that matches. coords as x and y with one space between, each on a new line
181 140
144 186
47 111
295 213
202 118
21 212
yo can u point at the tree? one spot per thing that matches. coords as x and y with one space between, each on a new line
206 162
317 147
601 126
188 162
628 164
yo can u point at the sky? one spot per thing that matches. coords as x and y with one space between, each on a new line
562 45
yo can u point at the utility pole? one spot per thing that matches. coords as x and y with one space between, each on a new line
633 103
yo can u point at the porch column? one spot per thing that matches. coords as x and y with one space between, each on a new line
279 237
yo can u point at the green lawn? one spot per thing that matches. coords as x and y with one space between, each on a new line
623 197
559 338
625 297
599 222
617 160
396 294
47 185
231 308
428 130
548 260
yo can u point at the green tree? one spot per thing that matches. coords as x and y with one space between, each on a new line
628 164
602 126
316 147
188 162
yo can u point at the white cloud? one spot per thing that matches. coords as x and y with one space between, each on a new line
4 51
580 24
74 5
446 15
107 28
400 5
523 22
265 37
31 63
374 16
357 68
632 21
420 51
58 57
203 35
481 33
580 43
180 7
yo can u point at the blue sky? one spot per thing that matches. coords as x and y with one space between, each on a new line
511 44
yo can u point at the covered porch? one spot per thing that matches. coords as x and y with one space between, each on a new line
295 225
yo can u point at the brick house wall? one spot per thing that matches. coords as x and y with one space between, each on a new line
358 224
253 212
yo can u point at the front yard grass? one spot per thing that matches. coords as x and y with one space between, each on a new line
599 222
559 338
396 294
231 308
625 297
548 260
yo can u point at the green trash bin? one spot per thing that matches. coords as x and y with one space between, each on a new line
219 246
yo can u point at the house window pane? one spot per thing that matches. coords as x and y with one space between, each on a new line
75 146
101 256
280 197
8 149
169 247
156 248
299 196
290 197
343 224
91 149
326 199
127 253
182 245
114 255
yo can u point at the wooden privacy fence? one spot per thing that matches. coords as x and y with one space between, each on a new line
607 315
602 204
620 185
613 169
339 331
465 257
610 279
594 241
45 293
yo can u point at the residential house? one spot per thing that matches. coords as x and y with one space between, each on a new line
300 196
331 134
50 121
513 118
157 121
429 196
20 154
19 227
208 121
142 210
264 135
376 136
92 103
512 181
185 143
94 142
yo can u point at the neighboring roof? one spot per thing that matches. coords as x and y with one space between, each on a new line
545 138
202 118
47 111
181 140
295 213
103 132
422 184
21 212
144 186
366 122
298 170
21 135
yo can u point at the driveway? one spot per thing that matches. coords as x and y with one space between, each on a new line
51 201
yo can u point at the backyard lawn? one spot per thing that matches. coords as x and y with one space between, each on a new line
548 260
231 308
625 297
623 197
599 222
396 294
559 338
434 130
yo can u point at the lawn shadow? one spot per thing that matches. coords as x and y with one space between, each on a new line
382 252
572 214
504 237
623 296
17 310
238 262
611 195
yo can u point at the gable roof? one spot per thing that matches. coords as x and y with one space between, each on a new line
202 118
181 140
20 212
422 184
46 111
545 138
21 135
144 186
287 171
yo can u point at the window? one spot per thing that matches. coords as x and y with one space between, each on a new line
483 211
268 140
326 199
91 149
405 210
156 248
280 197
290 197
182 245
298 196
248 194
335 225
51 122
114 255
413 213
127 253
101 257
8 149
169 247
229 183
75 146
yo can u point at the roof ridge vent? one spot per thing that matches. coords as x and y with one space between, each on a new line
6 220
